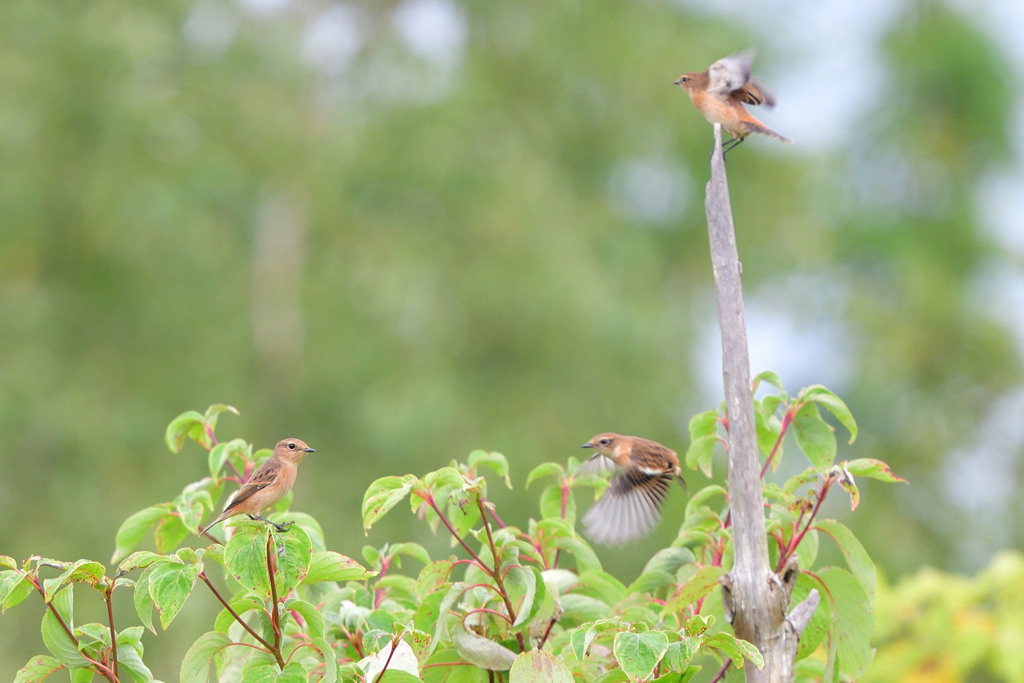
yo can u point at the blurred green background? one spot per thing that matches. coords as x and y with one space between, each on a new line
405 230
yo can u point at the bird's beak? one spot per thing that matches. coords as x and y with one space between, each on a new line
309 450
675 82
587 445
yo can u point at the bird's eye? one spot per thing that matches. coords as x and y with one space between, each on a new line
291 446
683 79
605 442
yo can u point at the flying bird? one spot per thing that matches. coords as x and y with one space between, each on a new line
630 506
269 483
721 91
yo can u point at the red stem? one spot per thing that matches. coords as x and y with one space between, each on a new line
101 668
113 634
275 619
795 541
233 613
429 499
787 419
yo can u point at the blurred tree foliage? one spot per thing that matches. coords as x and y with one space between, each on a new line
457 225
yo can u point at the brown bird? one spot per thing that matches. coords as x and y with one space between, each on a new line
269 483
629 508
721 91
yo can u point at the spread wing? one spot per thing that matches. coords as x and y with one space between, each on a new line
629 508
729 74
730 77
597 464
264 476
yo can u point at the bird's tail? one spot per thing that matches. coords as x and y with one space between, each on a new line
212 524
756 126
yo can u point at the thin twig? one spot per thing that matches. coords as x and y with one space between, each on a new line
102 668
787 418
721 672
113 634
795 541
233 613
387 662
275 618
496 575
444 520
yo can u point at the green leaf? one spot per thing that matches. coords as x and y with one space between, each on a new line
854 621
408 549
482 652
433 576
808 476
244 602
526 588
195 667
328 565
143 600
602 585
702 582
245 557
382 495
169 585
703 425
582 607
82 571
129 655
768 377
735 648
56 639
15 586
443 618
551 504
314 627
428 613
170 532
330 659
236 451
189 424
700 497
680 653
769 430
816 629
873 469
586 558
135 527
669 560
700 452
446 477
833 404
215 410
140 559
546 469
580 639
7 562
294 551
650 581
38 669
293 672
639 653
539 666
815 437
495 461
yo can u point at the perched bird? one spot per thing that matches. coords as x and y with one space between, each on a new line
629 508
268 483
721 91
